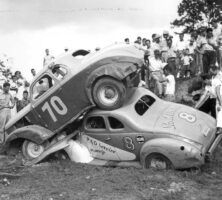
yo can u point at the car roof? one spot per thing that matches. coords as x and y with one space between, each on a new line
76 61
127 111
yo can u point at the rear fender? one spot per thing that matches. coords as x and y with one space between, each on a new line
180 153
34 133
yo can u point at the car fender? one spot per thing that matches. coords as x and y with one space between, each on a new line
112 68
34 133
180 153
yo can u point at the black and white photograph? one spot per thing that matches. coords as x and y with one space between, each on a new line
110 100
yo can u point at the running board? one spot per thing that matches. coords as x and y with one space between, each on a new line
106 163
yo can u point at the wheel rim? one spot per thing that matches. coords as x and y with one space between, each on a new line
108 95
158 164
34 150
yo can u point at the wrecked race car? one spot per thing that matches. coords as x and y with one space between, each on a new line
146 131
67 88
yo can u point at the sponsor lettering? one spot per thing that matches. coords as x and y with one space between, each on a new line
168 119
99 147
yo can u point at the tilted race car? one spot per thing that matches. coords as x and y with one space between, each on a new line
68 88
146 131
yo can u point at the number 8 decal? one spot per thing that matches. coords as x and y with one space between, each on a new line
58 105
128 143
188 117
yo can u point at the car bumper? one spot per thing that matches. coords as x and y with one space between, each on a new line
214 144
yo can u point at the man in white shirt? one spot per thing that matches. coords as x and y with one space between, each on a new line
171 56
208 46
156 45
48 58
217 29
181 44
192 46
156 70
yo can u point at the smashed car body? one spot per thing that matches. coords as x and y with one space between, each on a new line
146 131
67 88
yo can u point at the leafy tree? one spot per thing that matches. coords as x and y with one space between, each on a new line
194 13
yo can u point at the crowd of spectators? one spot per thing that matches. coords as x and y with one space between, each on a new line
180 57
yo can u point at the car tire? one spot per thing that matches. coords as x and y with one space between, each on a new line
158 161
31 150
109 93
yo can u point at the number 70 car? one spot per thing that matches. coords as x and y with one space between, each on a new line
68 88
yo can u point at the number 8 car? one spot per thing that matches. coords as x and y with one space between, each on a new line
146 131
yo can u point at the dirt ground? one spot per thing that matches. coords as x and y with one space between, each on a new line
62 179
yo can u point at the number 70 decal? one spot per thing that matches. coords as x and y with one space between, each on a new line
58 106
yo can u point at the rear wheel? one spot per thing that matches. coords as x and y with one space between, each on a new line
32 150
158 161
109 93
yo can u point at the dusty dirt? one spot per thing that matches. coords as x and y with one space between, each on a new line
62 179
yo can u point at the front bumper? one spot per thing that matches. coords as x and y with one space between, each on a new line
214 144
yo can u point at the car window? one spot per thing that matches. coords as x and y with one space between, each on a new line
115 123
42 85
143 104
80 52
59 71
95 122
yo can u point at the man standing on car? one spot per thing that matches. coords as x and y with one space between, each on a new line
48 58
5 112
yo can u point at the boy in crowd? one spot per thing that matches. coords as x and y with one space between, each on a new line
186 60
169 84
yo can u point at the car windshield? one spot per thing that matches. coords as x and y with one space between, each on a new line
42 85
143 104
59 71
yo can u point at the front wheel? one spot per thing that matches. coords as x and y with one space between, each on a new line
158 161
109 93
31 150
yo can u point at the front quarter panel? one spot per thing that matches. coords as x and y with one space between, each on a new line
34 133
181 154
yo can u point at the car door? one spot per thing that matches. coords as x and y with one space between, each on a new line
127 142
96 138
47 102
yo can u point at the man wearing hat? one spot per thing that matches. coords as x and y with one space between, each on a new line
180 46
208 47
219 53
164 46
192 46
156 44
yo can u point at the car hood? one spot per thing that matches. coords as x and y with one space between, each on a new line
186 122
18 116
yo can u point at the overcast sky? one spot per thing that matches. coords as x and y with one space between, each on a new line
27 27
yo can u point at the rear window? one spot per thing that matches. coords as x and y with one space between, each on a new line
143 104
